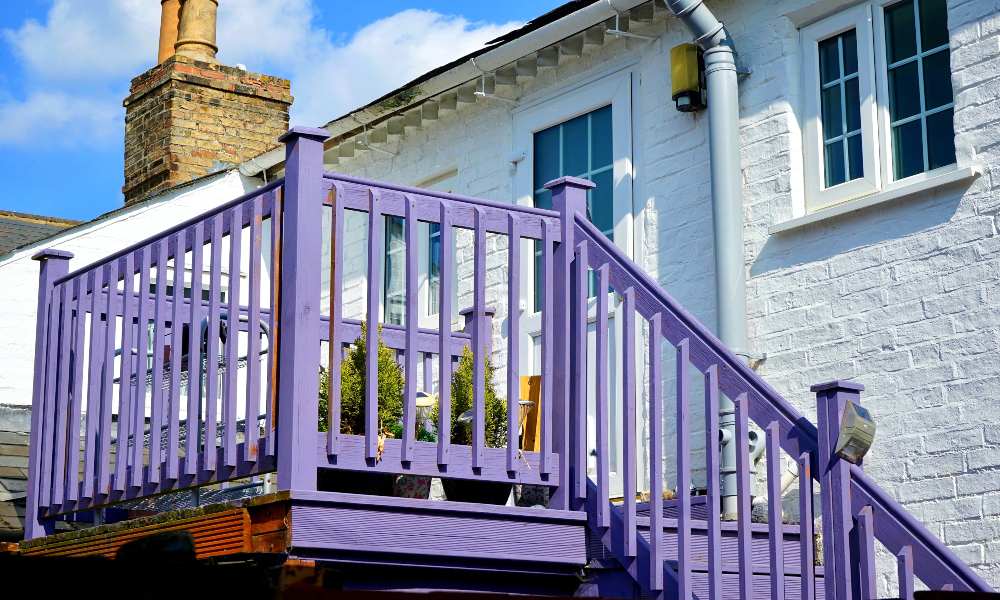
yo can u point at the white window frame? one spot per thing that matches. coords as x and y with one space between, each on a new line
868 19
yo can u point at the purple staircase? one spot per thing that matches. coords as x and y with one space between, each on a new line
115 418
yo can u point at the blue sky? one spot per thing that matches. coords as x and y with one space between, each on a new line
65 66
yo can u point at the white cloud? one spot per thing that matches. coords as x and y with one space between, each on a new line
77 62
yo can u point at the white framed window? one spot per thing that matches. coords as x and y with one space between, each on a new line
877 109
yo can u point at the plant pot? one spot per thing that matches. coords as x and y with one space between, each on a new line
482 492
412 486
355 482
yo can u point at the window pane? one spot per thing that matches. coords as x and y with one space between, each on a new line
395 256
832 114
601 203
834 163
940 139
600 138
546 156
855 160
933 24
850 39
904 91
900 32
907 149
574 147
829 61
937 79
543 199
433 268
852 100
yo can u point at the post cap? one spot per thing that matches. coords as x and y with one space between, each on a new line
838 384
52 253
572 182
313 133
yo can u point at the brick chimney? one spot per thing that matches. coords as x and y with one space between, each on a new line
189 115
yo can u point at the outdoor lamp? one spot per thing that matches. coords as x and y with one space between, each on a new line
686 78
857 431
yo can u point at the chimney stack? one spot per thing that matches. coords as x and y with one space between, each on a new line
189 115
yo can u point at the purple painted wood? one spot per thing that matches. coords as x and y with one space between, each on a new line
865 567
548 349
743 497
683 472
712 464
336 317
77 358
807 590
52 410
513 338
93 383
444 338
656 454
904 572
629 440
376 250
112 311
298 360
141 371
602 408
253 409
578 389
271 403
176 350
412 323
192 442
52 265
125 390
212 382
480 343
774 521
230 390
159 342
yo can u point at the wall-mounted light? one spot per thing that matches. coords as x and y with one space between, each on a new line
687 77
857 432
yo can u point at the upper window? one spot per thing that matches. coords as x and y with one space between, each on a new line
878 98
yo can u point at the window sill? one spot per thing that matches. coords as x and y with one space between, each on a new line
948 177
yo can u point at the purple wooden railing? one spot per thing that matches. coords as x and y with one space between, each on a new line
149 380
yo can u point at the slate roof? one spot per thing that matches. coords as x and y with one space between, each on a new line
20 229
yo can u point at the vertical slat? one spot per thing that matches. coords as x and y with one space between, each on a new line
712 464
252 435
53 352
548 347
193 422
412 314
603 442
212 346
107 381
176 348
140 369
375 256
479 343
159 342
336 316
865 531
743 541
904 571
683 473
444 336
98 307
428 363
776 538
655 453
807 569
76 393
629 426
62 398
578 398
513 337
125 371
231 389
272 355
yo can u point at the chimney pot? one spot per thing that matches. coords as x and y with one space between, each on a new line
196 32
170 16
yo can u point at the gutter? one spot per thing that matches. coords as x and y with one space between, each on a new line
506 50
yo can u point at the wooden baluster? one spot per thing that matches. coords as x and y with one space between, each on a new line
683 473
193 422
230 396
176 350
376 249
159 343
98 307
141 371
904 572
271 401
807 560
776 536
480 343
865 532
252 435
444 336
713 501
629 439
212 347
743 542
603 411
655 453
107 382
336 318
513 338
548 348
578 395
53 352
76 394
125 370
63 392
412 322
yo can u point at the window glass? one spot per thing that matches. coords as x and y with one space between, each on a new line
940 127
933 15
395 259
840 105
433 268
900 31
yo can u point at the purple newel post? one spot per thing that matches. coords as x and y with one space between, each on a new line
569 198
835 483
299 310
53 264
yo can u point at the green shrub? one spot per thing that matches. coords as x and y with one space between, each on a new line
461 401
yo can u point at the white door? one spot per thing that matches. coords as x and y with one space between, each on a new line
583 131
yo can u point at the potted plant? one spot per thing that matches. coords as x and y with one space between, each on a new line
485 492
